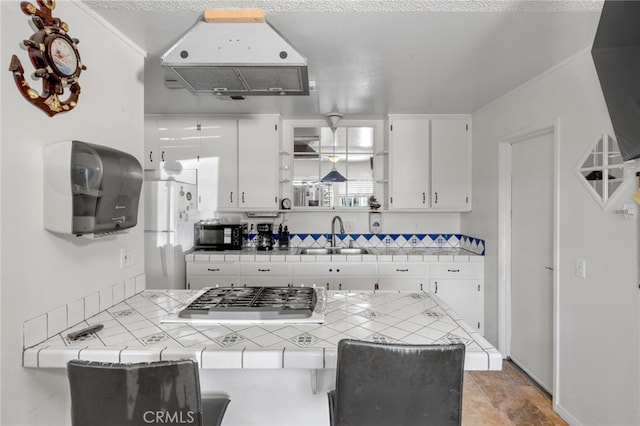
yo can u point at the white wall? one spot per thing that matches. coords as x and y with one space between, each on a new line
41 271
598 365
357 222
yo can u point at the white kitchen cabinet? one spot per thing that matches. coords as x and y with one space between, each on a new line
429 163
218 164
461 286
178 142
264 274
409 160
151 153
211 274
335 275
258 162
450 165
403 276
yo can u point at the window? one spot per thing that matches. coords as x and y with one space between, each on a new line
314 155
602 170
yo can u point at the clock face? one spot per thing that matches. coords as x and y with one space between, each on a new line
63 56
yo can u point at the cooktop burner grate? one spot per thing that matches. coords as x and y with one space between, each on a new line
252 303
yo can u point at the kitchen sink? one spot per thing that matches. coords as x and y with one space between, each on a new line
351 250
316 250
333 250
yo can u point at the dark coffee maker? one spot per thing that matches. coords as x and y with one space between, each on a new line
264 239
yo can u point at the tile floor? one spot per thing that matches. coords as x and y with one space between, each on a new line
506 397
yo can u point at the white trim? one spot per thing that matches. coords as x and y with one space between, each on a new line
106 24
504 240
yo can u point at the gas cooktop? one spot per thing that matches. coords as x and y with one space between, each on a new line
252 304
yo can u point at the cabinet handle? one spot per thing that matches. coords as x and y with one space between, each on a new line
340 286
151 156
162 156
436 287
424 197
453 270
327 285
402 270
376 286
421 287
213 269
264 270
242 196
231 197
436 200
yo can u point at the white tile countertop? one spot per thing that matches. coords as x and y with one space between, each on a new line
375 254
133 332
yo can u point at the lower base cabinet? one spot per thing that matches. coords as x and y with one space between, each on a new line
206 274
461 286
265 274
410 276
335 276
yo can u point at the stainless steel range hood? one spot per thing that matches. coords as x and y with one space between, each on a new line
227 57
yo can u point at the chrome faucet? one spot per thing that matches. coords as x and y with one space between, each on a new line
333 229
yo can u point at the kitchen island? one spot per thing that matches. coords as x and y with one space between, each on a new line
275 374
133 332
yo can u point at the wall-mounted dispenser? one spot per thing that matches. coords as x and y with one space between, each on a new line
90 189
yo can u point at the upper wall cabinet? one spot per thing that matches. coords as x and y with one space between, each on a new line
409 160
218 164
236 160
171 142
429 163
258 146
450 164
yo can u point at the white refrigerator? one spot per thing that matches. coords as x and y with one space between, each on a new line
170 213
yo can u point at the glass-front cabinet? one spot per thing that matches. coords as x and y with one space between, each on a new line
311 151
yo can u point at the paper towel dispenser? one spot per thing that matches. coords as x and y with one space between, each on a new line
90 189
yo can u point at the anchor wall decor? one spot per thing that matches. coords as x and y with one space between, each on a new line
54 56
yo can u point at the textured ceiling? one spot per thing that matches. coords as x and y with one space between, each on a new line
357 5
372 58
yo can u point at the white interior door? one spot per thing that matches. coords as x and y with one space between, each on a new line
531 302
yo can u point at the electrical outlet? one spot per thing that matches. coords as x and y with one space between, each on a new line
581 268
126 258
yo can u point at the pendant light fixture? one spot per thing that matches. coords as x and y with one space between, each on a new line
333 176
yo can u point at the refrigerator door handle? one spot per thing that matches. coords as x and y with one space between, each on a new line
163 260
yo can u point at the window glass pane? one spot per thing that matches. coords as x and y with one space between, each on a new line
317 152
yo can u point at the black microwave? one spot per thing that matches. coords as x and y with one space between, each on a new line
217 236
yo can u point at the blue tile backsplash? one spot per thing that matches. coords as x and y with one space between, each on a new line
474 245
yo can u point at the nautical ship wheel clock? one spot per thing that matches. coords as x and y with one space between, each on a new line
54 55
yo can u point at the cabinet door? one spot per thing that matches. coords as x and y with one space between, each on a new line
178 142
218 165
450 167
258 144
402 284
409 163
464 296
151 153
